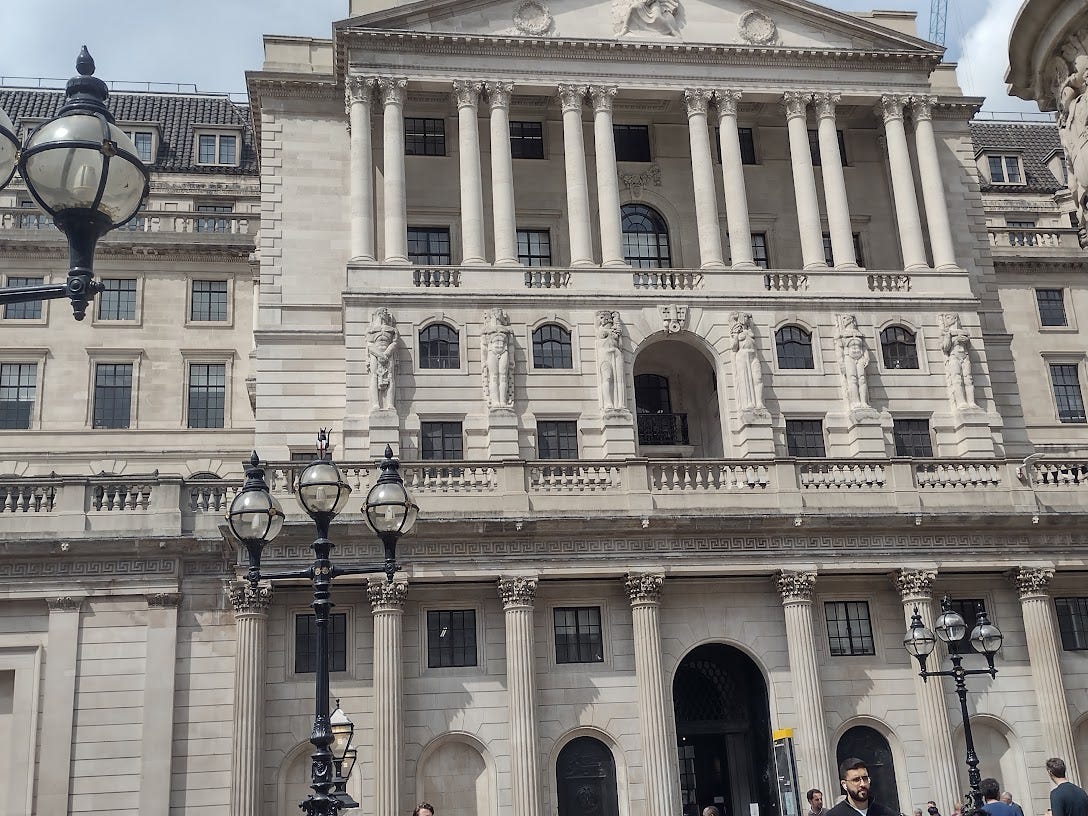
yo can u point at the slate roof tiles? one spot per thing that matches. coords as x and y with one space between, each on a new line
1035 143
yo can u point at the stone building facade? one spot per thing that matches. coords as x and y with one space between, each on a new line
705 334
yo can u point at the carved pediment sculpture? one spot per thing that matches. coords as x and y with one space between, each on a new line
655 16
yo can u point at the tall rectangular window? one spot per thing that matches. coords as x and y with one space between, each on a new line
849 629
1073 623
23 311
829 255
1065 380
207 395
305 648
557 439
429 246
527 140
912 437
112 395
747 145
209 301
117 300
451 638
1051 307
534 247
578 636
759 250
805 438
632 142
441 440
18 383
424 137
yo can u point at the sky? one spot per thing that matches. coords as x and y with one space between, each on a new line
210 44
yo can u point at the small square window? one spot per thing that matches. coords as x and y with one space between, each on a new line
217 149
32 220
805 438
557 439
112 395
429 246
441 440
424 137
912 437
1065 379
534 247
18 386
143 140
211 224
1004 169
209 301
31 310
451 638
578 635
632 142
527 140
306 647
207 395
1073 623
849 629
1051 307
117 300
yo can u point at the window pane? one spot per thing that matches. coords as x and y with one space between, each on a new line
645 237
439 347
207 395
206 149
1073 622
632 142
968 609
441 440
794 347
898 346
747 145
228 149
1012 170
306 648
1067 393
578 635
213 224
451 638
1051 307
534 247
759 250
424 137
112 395
912 437
23 311
429 247
805 438
117 300
829 257
551 347
18 383
814 147
997 169
557 439
849 629
209 301
527 140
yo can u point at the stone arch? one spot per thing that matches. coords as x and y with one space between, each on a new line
457 770
292 780
619 758
1000 755
895 749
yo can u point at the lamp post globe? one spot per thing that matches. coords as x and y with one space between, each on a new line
322 490
255 516
950 626
390 510
986 637
9 149
920 640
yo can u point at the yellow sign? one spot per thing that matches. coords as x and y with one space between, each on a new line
782 733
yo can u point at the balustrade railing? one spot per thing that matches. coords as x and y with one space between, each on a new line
1034 238
32 496
574 476
832 475
708 475
663 429
149 221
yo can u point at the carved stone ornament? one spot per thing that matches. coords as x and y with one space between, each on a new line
164 600
245 599
756 28
517 591
890 106
635 183
914 584
393 90
358 89
533 18
387 596
643 587
958 378
697 100
825 104
382 344
497 354
466 93
674 318
794 585
65 603
499 94
854 357
1033 581
611 369
653 16
601 96
747 366
1071 99
796 103
921 107
727 102
572 97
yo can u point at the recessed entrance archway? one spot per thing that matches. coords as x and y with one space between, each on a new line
676 401
723 732
870 745
585 779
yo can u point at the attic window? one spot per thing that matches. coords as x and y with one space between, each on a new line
1005 169
144 139
217 148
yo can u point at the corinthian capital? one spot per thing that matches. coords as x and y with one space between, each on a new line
921 107
825 104
698 100
517 591
796 103
643 587
890 106
466 93
499 94
164 600
727 102
64 603
358 89
795 585
393 90
914 584
571 97
387 596
246 598
601 97
1032 581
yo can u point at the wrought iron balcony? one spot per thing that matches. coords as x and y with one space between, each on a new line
663 429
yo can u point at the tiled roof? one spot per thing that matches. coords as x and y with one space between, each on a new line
1034 143
175 114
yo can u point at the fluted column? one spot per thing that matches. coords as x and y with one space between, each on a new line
810 734
914 588
502 174
466 95
736 198
387 604
702 172
518 596
906 201
1040 629
608 180
644 590
58 704
571 98
838 208
358 91
795 104
157 737
929 168
393 92
247 747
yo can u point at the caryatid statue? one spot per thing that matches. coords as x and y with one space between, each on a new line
854 358
381 347
498 359
747 366
610 365
956 345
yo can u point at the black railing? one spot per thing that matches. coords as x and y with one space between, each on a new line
663 429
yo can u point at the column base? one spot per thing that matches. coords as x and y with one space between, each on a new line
384 430
474 262
949 268
616 265
745 266
714 265
502 434
918 267
849 266
396 260
507 262
812 267
582 264
858 432
753 434
363 259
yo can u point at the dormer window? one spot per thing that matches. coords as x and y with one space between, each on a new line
217 148
145 141
1005 169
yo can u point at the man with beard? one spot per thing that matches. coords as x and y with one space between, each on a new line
854 780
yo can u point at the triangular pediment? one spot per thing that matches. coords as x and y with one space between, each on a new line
766 23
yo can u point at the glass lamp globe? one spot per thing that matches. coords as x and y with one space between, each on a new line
987 638
255 516
390 508
950 626
342 730
920 641
9 149
321 489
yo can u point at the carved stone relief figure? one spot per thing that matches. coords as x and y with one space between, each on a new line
498 359
610 366
1073 130
659 16
854 358
956 345
747 366
382 344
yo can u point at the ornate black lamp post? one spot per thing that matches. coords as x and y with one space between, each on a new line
82 170
952 629
255 517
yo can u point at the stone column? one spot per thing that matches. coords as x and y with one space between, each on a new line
502 174
804 180
157 740
608 180
358 91
1040 629
914 590
929 168
247 747
659 760
702 172
387 603
393 92
906 202
736 199
466 95
814 760
518 596
838 209
571 98
58 704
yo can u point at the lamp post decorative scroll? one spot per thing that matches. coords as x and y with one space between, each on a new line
255 517
951 628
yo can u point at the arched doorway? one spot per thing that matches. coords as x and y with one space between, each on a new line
869 745
723 733
645 237
585 779
676 400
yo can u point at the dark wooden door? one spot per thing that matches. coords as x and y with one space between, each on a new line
586 779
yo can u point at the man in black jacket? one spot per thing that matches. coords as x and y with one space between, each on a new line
854 780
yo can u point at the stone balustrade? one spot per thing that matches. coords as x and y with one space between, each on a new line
1034 240
24 220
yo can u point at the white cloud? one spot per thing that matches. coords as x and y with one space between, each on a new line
985 58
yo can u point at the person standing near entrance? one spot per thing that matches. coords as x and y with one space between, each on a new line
991 794
815 802
1066 799
854 781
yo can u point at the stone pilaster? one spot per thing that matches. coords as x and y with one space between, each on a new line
929 170
358 92
659 756
393 91
518 597
608 180
571 98
502 174
702 173
810 732
795 104
914 587
247 747
58 703
907 218
157 738
387 603
736 198
466 95
838 208
1041 631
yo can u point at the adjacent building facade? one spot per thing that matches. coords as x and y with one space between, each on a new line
715 339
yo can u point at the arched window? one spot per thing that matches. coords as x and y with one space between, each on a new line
439 347
869 745
899 348
551 347
794 347
645 237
